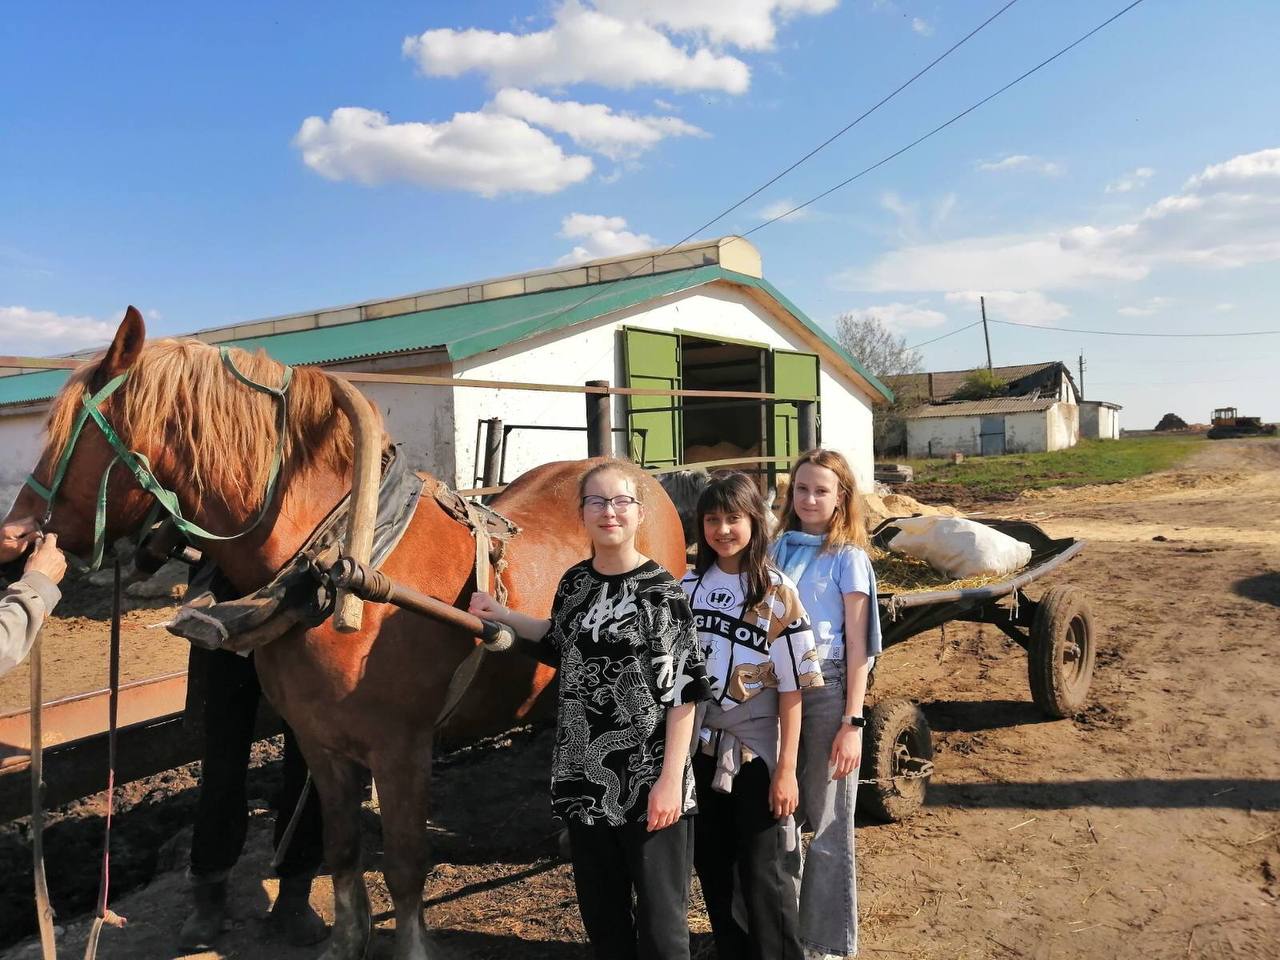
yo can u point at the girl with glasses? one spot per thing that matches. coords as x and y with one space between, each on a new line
622 636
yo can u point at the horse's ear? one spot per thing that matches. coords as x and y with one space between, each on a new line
124 349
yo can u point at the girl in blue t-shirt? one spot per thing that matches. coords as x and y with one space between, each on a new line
822 550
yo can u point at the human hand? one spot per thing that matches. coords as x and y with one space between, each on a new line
665 801
484 606
15 537
784 793
846 751
47 559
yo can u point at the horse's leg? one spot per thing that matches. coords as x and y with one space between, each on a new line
339 784
404 779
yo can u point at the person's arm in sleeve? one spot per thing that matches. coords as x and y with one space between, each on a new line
531 632
25 603
682 684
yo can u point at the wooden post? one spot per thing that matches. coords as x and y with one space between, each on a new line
599 421
492 452
807 424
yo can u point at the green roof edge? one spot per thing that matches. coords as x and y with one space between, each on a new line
609 297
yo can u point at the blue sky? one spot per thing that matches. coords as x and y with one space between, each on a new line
220 164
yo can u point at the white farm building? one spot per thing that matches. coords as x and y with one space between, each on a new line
701 316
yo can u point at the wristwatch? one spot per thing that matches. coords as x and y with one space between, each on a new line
854 721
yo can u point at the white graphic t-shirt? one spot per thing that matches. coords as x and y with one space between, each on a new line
769 646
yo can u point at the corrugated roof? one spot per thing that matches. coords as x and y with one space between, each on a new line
945 383
468 329
978 408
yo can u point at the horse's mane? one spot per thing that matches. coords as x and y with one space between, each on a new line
185 411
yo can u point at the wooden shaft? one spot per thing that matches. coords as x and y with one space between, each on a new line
365 476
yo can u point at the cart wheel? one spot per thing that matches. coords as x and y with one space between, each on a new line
896 742
1060 656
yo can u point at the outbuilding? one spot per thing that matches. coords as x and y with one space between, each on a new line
1100 420
992 427
700 316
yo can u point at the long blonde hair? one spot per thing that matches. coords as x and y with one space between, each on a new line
846 525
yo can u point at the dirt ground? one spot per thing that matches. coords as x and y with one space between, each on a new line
1147 826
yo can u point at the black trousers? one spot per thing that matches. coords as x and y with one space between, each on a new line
610 864
222 813
738 838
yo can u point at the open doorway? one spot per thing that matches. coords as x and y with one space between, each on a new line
722 429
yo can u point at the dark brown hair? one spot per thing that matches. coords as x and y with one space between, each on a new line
737 493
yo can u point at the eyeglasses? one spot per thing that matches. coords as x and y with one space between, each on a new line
621 504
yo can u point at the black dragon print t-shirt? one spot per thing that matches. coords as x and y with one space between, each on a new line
627 650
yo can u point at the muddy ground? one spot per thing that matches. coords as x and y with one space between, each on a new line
1147 826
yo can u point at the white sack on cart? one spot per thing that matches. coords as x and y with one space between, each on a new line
959 548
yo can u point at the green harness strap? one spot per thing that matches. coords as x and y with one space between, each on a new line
140 467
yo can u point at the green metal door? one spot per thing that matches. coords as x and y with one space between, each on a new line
793 374
652 361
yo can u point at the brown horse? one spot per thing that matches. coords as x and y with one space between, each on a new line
367 699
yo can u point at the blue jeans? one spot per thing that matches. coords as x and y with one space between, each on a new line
827 887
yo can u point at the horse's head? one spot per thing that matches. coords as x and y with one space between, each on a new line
72 512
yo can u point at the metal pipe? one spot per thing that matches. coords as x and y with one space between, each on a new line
362 581
599 421
807 425
494 439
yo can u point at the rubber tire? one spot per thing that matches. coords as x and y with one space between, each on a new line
1063 620
890 722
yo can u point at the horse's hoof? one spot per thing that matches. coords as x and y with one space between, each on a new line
208 917
292 916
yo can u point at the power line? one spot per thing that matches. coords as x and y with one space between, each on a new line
826 143
1125 333
916 346
849 126
938 129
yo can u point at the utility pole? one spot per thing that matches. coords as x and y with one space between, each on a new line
982 301
1082 369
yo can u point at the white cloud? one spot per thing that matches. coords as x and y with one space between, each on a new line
922 27
484 153
748 24
1146 308
1131 181
1225 307
25 331
582 46
1019 306
1226 216
781 208
902 316
1021 162
592 125
601 236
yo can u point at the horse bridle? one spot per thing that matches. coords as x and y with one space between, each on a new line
140 467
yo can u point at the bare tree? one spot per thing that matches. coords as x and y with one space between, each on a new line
881 351
883 354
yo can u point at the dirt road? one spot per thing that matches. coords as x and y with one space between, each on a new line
1148 826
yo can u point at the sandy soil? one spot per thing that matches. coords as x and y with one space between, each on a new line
1147 826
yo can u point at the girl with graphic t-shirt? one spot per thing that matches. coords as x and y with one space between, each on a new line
760 656
823 550
621 634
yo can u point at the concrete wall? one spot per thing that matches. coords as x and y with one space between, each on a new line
420 418
941 436
21 439
1099 422
1054 429
594 352
1035 432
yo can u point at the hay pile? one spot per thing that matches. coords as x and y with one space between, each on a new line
897 573
876 509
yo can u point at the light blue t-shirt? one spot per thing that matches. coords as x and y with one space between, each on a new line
822 586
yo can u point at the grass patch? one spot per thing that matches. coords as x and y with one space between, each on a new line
1088 462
